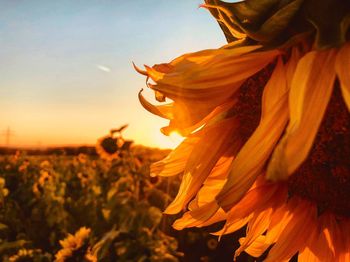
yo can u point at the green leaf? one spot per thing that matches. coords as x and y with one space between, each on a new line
100 249
277 23
252 11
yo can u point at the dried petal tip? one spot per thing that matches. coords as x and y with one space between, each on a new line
139 70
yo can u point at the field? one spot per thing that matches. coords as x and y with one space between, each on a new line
80 207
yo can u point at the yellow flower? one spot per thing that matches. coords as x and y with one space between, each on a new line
45 164
4 191
24 166
45 177
73 243
82 158
268 128
23 255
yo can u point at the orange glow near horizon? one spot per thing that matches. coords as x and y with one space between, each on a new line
65 128
67 76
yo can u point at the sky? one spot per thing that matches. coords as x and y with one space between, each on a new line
66 75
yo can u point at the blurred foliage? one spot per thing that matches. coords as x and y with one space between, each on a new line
84 208
65 205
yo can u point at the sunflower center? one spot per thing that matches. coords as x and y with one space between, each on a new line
324 177
109 144
248 106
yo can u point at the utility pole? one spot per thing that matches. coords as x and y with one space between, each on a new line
8 133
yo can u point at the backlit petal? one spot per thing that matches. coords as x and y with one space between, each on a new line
257 248
213 184
214 142
342 67
345 247
298 231
201 81
175 162
321 247
260 145
310 92
205 215
256 227
164 111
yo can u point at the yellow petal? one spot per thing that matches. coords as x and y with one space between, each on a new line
257 248
175 162
199 82
255 200
213 144
279 220
310 92
307 255
345 247
256 227
321 247
261 197
139 70
188 114
260 145
233 226
205 215
219 113
220 72
342 67
164 111
296 233
213 184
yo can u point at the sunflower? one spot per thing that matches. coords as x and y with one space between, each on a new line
111 146
75 247
22 255
107 147
267 126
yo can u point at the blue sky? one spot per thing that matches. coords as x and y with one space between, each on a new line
65 66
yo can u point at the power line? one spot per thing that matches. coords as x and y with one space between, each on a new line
8 133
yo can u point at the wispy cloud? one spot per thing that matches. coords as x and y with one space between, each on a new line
103 68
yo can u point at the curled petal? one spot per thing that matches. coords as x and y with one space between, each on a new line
200 82
164 111
139 70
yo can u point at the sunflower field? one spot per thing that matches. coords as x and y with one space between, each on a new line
84 207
